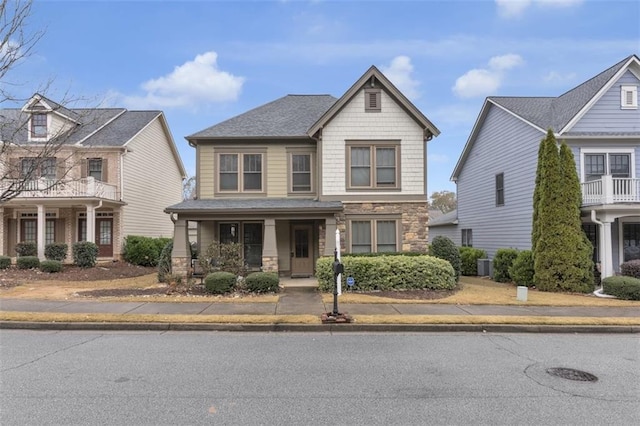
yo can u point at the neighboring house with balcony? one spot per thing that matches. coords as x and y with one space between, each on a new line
495 175
282 178
96 175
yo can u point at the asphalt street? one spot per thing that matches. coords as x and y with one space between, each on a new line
118 378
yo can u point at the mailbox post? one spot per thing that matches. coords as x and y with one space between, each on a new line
335 316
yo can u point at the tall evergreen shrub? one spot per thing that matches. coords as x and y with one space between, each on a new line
443 248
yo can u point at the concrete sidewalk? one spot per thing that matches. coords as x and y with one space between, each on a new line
306 301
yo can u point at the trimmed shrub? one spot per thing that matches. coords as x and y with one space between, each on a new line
5 262
384 253
164 262
51 266
28 262
469 260
443 248
631 268
521 271
627 288
143 251
262 282
26 249
389 273
85 254
219 282
56 251
502 261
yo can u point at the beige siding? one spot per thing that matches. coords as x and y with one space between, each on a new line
152 182
277 171
57 125
206 169
354 123
206 235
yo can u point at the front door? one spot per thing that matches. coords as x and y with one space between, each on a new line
104 236
302 250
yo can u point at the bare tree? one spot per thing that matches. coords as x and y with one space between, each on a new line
189 188
29 160
445 201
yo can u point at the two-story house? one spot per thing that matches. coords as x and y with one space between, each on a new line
495 175
282 178
85 175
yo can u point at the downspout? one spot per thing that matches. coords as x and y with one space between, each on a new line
599 291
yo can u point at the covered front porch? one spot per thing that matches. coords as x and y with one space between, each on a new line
285 237
614 232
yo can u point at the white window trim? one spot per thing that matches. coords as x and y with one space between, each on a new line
45 138
607 151
624 90
621 222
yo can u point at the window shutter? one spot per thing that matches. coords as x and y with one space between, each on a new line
61 169
83 168
104 170
14 168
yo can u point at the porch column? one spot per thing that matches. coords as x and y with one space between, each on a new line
329 236
181 254
2 222
270 247
607 189
91 223
40 237
606 251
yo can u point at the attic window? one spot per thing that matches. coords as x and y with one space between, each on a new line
372 100
39 125
629 97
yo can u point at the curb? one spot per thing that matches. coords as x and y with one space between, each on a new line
376 328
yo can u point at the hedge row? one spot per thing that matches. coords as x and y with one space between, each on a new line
257 282
396 272
143 251
622 287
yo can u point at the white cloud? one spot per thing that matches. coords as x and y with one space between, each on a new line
505 62
516 8
556 77
400 73
191 84
484 82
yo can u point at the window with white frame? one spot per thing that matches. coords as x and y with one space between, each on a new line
373 165
38 125
94 168
628 97
597 164
240 172
375 235
467 238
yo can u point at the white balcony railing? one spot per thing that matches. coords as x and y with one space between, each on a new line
45 188
610 190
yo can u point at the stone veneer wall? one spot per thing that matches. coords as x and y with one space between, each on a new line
270 263
414 217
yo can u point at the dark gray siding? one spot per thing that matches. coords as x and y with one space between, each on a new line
606 115
506 145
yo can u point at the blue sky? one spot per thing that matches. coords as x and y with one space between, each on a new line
202 62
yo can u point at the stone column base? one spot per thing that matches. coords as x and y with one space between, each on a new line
270 264
181 266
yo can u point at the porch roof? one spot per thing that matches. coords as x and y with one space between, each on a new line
235 205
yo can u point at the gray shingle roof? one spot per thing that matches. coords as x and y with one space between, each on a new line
98 126
260 204
556 113
449 218
289 116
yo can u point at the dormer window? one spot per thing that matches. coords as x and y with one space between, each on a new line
39 125
629 97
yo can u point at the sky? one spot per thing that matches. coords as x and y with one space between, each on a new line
202 62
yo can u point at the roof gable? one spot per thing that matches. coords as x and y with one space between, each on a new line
374 77
559 113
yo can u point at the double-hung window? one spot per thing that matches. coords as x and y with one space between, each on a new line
467 238
94 168
377 235
300 172
241 172
373 166
616 164
38 125
34 167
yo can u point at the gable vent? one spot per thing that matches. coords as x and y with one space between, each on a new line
629 97
372 100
